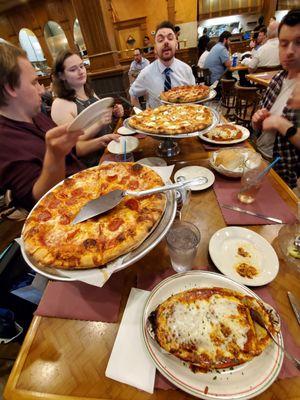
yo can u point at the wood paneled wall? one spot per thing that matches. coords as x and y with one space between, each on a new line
219 8
34 16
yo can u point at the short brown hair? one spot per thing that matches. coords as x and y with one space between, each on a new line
61 88
165 24
9 69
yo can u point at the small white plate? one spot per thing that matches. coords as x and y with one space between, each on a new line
91 114
223 249
125 131
153 161
115 147
194 172
245 136
244 381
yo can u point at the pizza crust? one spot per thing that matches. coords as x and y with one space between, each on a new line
185 94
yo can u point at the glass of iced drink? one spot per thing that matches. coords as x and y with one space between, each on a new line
251 180
183 240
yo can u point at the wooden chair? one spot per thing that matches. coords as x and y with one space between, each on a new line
228 95
203 76
246 102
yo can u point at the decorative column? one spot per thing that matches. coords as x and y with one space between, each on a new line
171 10
97 29
268 9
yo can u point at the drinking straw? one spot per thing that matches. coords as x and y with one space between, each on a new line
124 150
267 169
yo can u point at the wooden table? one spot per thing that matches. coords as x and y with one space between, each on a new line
66 359
239 67
261 78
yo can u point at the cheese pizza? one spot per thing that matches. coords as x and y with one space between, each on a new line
211 328
186 94
173 120
225 132
51 240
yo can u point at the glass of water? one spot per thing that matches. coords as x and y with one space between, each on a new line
183 240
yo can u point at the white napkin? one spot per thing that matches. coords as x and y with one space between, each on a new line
129 361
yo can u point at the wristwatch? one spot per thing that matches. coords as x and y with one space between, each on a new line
292 130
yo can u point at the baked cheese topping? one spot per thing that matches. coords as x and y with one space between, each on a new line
224 132
198 322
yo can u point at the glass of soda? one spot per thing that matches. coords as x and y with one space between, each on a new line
183 240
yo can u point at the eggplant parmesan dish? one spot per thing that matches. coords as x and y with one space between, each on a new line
212 328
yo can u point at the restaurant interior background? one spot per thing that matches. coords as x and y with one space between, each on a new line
105 32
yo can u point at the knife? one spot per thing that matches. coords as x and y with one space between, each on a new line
295 303
234 208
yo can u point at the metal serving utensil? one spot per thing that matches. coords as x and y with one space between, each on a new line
258 318
112 199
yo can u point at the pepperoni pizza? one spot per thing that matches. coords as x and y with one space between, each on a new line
51 240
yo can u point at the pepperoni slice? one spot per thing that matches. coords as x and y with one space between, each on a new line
115 224
54 203
137 169
111 178
64 219
133 185
71 201
77 192
43 216
133 204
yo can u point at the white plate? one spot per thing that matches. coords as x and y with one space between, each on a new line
244 381
212 95
91 114
125 131
245 136
194 172
115 147
223 247
153 161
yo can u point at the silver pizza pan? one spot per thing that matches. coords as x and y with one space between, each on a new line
123 261
215 121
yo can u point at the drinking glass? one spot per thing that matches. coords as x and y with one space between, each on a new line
183 240
251 180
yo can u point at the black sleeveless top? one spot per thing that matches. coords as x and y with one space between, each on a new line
91 159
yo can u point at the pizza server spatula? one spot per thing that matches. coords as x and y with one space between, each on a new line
108 201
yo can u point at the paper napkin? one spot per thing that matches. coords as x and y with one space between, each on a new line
129 362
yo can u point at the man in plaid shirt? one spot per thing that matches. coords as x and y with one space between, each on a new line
276 121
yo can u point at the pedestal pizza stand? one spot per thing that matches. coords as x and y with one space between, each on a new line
169 146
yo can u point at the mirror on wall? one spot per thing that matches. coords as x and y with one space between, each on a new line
55 38
30 43
78 39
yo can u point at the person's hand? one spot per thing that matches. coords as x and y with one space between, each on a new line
106 117
271 123
118 110
259 117
105 139
59 141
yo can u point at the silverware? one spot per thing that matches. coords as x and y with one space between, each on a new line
257 318
110 200
297 242
234 208
295 303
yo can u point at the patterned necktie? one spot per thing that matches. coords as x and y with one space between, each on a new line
167 83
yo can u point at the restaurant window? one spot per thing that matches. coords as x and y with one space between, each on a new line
30 43
55 38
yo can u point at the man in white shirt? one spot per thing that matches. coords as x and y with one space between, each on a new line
137 65
163 73
268 54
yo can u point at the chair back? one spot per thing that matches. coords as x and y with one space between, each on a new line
203 76
246 102
228 95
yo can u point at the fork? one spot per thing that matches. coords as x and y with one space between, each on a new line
257 318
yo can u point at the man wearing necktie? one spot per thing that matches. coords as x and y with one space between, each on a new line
163 73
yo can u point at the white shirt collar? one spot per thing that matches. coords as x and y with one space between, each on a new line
162 67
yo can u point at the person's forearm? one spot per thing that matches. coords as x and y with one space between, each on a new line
283 126
135 101
85 147
53 171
